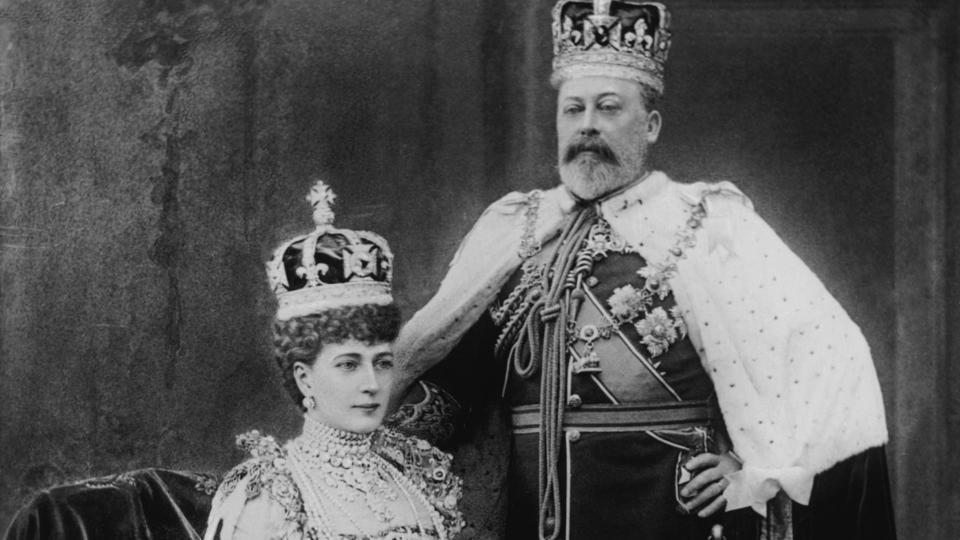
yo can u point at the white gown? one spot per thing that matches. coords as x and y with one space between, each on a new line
282 492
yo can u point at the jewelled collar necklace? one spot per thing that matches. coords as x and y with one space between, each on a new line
319 438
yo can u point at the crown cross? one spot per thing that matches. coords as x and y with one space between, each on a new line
601 17
601 7
329 267
321 198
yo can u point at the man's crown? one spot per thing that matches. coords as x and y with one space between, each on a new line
624 39
329 267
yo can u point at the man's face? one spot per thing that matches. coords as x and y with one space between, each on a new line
603 132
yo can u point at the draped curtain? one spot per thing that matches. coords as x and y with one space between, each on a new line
152 153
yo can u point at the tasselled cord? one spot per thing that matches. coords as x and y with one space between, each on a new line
552 310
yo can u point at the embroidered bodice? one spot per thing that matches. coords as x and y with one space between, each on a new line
338 485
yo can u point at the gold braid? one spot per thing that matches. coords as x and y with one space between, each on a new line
552 307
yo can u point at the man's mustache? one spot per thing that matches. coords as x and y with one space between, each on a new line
590 144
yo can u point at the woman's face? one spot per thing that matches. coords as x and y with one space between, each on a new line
351 384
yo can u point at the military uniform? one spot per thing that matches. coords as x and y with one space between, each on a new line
626 322
625 326
637 400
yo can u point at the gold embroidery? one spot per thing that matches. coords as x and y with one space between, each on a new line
529 245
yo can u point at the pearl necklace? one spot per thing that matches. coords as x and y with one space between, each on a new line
341 462
333 465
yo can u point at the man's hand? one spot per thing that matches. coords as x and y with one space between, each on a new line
707 486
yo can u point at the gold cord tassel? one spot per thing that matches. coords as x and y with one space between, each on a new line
551 311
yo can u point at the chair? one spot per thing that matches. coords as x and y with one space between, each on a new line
155 504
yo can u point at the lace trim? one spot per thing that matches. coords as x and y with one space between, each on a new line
267 473
394 533
529 245
432 418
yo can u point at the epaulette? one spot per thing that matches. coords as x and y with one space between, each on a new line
716 204
513 202
716 198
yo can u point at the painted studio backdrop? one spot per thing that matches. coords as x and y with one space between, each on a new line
153 152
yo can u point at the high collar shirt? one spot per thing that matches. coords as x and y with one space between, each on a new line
792 372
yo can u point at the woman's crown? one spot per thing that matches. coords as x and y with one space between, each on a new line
329 267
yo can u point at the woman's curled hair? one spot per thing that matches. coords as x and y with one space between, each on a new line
301 339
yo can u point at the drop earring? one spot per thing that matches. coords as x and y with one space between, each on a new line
309 403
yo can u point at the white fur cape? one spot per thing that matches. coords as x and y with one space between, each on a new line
793 374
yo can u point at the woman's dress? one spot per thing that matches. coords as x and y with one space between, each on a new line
332 484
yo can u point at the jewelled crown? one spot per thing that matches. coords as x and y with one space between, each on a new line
329 267
624 39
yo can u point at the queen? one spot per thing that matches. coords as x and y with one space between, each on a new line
345 476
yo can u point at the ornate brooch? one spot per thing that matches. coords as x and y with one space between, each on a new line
660 329
602 240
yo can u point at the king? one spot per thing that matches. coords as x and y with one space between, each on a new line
672 370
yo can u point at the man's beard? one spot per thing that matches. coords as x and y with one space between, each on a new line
591 169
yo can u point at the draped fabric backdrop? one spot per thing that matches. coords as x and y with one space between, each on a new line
153 152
